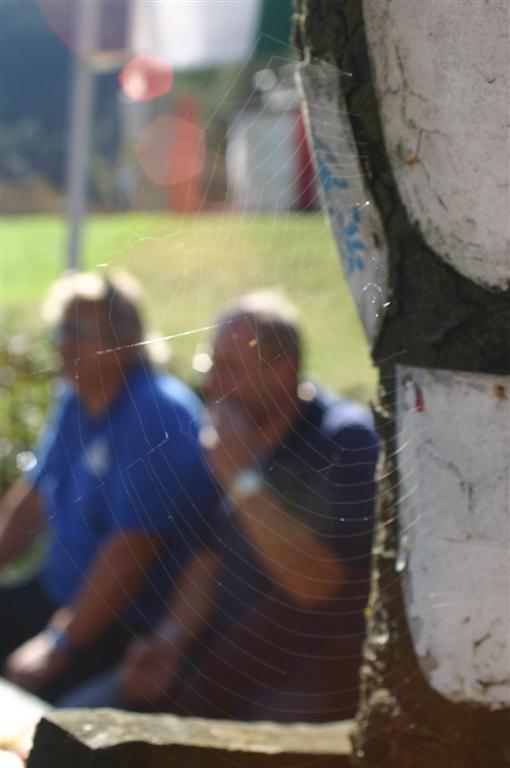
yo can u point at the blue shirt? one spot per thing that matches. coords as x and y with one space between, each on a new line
137 467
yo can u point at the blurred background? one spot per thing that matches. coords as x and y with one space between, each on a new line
166 138
190 104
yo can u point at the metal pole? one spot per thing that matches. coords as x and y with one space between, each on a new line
82 104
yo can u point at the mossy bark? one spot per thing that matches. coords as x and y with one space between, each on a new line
437 319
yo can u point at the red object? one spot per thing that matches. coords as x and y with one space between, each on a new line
420 403
146 77
172 153
306 173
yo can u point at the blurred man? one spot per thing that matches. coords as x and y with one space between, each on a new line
119 486
268 621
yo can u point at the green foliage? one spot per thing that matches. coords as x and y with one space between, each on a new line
33 65
16 143
35 68
26 374
190 266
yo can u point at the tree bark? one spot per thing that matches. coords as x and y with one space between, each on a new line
437 319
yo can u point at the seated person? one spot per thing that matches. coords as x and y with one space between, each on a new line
119 485
268 621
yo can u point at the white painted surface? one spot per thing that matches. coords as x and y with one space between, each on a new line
198 34
20 714
454 514
354 219
442 77
263 161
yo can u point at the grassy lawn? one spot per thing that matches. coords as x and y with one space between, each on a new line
190 266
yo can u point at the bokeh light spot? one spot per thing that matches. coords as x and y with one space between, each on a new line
171 151
202 362
146 77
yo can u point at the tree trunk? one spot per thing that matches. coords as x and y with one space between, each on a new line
437 319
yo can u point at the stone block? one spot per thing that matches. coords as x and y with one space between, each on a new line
107 738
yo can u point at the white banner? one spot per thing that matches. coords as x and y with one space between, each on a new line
195 34
354 219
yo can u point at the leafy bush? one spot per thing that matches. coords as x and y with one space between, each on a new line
26 377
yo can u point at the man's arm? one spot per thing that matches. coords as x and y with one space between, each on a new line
21 520
117 574
152 662
298 561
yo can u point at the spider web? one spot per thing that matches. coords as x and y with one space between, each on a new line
186 288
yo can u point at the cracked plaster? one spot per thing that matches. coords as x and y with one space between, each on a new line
441 70
455 533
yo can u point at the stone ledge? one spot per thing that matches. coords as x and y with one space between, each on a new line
108 738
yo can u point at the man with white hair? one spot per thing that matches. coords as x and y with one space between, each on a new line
267 621
119 485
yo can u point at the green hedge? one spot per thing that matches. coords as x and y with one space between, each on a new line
26 378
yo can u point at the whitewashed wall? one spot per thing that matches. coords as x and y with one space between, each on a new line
442 76
453 433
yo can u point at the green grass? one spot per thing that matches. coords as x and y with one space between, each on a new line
190 266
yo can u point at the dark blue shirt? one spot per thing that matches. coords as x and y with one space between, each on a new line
324 475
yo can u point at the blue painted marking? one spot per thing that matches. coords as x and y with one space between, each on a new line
353 243
328 180
351 235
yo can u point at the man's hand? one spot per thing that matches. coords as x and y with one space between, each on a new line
231 443
35 662
151 664
149 669
299 562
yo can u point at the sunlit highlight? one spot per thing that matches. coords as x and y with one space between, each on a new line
146 77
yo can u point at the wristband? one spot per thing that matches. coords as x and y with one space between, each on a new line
61 640
245 484
167 629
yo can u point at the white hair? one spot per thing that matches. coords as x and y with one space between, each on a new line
116 290
275 322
